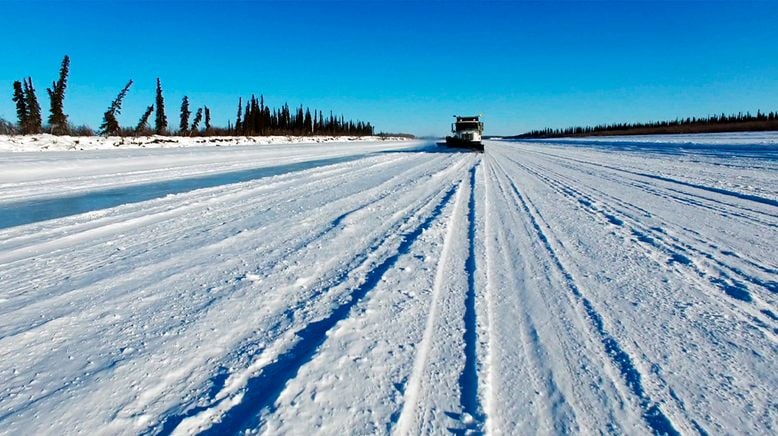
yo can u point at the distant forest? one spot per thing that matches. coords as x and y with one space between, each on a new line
253 119
714 123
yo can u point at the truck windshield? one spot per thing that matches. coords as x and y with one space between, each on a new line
466 126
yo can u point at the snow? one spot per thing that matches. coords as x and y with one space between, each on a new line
556 286
743 139
46 142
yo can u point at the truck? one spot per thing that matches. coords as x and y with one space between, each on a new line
467 132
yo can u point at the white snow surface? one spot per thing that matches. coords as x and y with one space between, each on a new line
748 139
392 287
47 142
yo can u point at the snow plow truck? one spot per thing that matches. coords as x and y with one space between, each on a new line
467 132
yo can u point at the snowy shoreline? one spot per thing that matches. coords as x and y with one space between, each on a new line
47 142
718 138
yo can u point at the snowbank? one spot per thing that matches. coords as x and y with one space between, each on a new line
46 142
729 138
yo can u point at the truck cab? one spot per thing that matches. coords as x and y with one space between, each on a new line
467 132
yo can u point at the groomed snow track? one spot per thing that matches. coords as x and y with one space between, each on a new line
391 288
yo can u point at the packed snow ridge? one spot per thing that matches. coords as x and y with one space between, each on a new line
46 142
604 285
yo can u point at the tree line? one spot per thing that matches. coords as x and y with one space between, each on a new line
255 119
739 122
259 119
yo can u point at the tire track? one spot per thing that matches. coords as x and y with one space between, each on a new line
30 212
652 414
425 187
275 191
302 353
454 295
729 279
469 379
490 402
541 379
263 389
189 222
187 214
415 416
658 233
731 209
561 398
682 197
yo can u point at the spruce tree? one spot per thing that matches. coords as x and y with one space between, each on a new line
196 122
208 126
22 113
299 119
58 121
160 122
110 124
247 120
185 112
238 125
266 120
261 115
33 107
143 124
308 122
252 116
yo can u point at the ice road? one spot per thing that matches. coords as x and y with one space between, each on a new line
615 285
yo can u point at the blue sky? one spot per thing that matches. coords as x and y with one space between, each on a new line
405 66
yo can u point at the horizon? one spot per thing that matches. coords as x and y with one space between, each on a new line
405 67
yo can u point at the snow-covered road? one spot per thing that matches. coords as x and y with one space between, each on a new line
391 287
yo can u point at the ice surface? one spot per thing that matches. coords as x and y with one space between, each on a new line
558 286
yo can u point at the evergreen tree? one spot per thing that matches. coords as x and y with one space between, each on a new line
712 123
7 127
266 119
261 122
33 107
299 121
196 122
143 124
255 116
110 124
208 126
160 121
185 112
58 121
22 114
247 120
308 122
238 126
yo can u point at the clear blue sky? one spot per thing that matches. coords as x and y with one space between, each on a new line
405 66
